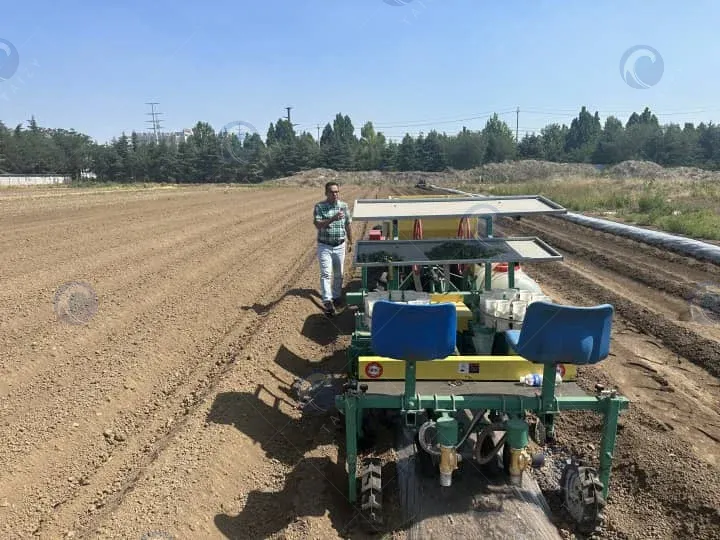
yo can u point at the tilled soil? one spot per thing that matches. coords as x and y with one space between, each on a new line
666 472
167 411
170 413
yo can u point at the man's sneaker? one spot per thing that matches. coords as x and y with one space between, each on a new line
338 302
329 308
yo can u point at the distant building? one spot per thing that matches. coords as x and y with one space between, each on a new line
32 179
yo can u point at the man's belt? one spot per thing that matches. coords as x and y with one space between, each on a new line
336 244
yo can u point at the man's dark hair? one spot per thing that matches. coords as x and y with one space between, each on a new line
328 184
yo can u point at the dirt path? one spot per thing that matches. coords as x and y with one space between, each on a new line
132 423
667 469
170 413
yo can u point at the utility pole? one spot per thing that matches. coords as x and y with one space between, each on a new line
318 128
155 122
517 125
288 110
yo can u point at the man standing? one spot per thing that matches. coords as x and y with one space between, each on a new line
332 219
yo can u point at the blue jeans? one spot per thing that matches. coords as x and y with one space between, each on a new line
332 264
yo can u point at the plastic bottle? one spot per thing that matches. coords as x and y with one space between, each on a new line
535 379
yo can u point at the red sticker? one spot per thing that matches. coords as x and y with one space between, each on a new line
373 370
561 370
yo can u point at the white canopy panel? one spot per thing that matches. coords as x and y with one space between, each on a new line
389 209
461 251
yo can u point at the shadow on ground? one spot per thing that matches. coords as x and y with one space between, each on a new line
302 367
308 294
316 486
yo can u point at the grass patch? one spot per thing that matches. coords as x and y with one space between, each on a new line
686 207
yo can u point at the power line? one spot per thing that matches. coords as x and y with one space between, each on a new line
534 111
155 122
560 112
419 124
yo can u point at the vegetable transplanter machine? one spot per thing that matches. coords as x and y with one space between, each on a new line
470 362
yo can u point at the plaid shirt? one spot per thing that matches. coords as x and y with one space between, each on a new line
335 232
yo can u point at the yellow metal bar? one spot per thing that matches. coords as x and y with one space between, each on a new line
455 298
433 228
464 317
453 368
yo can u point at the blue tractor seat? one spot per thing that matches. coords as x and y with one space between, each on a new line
555 334
413 331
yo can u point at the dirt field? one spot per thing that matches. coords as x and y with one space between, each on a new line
169 414
666 476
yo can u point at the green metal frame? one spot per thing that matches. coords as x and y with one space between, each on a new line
356 400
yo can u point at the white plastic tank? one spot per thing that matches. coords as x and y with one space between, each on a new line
500 278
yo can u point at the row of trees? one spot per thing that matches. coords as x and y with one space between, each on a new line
210 156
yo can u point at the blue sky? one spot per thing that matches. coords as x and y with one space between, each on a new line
439 64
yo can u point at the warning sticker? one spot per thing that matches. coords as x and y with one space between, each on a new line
373 370
467 368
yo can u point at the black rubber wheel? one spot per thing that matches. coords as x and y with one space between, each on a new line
582 496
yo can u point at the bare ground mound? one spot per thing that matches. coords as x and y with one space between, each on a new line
509 171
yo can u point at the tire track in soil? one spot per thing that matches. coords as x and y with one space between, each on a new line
26 222
683 341
90 264
194 395
163 397
682 264
65 240
668 376
146 271
659 488
662 486
237 343
664 470
673 279
122 325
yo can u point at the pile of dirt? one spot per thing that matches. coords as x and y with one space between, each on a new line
530 169
318 177
526 170
648 170
310 178
637 169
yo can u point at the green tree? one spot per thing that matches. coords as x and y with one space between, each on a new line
500 141
531 147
